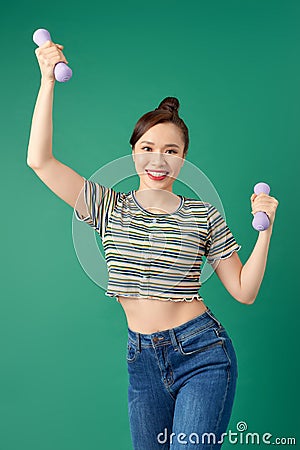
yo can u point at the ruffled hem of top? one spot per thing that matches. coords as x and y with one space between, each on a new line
194 297
211 261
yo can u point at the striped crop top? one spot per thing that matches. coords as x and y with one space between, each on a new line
151 255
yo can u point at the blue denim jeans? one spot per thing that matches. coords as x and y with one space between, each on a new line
182 383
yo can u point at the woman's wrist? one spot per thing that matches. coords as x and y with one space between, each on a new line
268 231
47 82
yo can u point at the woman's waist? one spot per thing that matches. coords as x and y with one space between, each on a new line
148 315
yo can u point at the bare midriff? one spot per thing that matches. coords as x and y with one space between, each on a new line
151 315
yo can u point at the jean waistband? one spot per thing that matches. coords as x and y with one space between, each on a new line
185 329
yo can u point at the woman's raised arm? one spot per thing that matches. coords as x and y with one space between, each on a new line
61 179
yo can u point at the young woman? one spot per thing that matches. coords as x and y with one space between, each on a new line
181 361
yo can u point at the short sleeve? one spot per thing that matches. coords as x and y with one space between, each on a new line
100 202
220 243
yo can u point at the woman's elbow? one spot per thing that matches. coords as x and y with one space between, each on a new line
247 301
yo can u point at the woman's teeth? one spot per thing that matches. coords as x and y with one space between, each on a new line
157 174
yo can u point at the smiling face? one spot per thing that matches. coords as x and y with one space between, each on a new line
159 150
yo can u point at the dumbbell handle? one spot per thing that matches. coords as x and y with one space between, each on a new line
261 221
62 71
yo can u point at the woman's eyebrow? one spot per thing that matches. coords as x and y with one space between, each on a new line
167 145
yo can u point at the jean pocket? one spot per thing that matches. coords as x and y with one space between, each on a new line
132 352
199 342
222 333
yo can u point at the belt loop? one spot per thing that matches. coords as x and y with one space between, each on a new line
211 315
138 341
173 338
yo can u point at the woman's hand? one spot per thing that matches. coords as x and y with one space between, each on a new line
266 203
48 55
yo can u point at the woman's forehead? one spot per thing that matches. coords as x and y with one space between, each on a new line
163 134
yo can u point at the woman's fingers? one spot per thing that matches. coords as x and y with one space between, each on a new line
264 203
48 55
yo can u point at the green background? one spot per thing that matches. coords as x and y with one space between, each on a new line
234 67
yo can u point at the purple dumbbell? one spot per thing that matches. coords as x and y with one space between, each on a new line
62 71
261 221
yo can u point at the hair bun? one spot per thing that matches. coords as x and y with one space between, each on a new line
170 104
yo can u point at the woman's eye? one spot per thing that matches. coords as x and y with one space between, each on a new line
143 148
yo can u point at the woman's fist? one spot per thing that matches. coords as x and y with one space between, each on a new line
48 55
266 203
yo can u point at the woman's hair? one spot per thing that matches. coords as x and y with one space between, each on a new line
167 111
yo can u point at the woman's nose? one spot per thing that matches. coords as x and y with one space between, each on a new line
157 156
